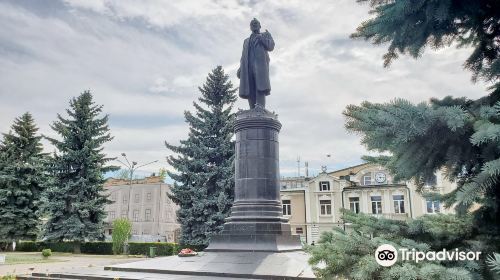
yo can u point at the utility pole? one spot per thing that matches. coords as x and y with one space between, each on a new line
298 166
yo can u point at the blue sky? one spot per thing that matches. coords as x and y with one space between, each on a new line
143 60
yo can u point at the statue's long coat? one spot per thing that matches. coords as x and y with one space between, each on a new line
261 64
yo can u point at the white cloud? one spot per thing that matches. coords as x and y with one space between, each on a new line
144 61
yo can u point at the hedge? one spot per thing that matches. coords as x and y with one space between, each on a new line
142 248
103 248
96 248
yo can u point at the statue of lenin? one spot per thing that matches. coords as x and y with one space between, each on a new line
254 66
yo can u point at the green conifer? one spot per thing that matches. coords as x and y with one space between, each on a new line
21 180
204 163
74 199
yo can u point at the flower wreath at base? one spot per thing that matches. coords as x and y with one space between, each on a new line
187 253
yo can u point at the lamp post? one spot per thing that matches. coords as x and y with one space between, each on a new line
131 167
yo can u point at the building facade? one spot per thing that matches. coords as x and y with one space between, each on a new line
146 204
313 204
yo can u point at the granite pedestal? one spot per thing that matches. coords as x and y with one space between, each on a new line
256 222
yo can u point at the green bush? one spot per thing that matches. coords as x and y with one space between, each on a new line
103 248
162 248
97 248
46 253
28 246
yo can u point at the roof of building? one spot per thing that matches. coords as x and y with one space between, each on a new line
349 170
148 180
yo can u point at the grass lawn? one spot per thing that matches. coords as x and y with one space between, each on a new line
28 258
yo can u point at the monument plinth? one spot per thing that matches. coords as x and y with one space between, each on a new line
256 222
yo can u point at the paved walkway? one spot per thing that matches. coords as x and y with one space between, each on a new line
67 262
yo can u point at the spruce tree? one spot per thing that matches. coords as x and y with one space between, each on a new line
21 180
74 200
349 254
204 187
457 135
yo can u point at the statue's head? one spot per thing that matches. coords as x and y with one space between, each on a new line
255 25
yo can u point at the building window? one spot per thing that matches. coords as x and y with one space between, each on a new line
148 196
367 179
113 197
136 215
433 206
376 204
136 198
124 198
399 204
325 207
112 215
287 207
299 230
124 214
354 204
324 186
147 215
134 231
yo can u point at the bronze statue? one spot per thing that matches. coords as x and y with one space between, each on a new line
254 66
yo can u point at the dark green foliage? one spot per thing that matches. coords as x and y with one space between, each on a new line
96 248
204 163
350 253
74 200
142 248
408 26
21 180
456 135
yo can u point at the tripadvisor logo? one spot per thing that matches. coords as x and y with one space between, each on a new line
387 255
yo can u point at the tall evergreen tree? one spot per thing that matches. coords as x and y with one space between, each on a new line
74 200
21 180
204 187
456 135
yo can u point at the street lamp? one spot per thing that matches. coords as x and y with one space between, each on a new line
131 168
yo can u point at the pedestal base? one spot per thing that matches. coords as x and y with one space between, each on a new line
255 237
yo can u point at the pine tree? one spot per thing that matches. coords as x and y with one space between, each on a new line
204 187
74 200
21 180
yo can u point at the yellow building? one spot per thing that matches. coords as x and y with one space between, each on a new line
313 204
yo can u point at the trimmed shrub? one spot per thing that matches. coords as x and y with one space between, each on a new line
46 253
162 248
28 246
102 248
97 248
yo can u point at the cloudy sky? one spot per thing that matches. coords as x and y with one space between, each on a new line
143 60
